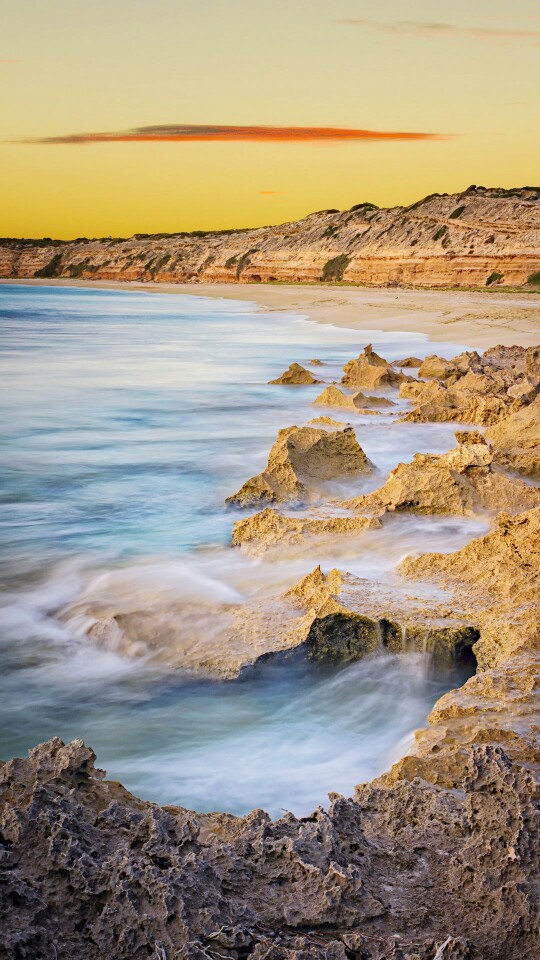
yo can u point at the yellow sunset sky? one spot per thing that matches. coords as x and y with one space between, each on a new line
469 74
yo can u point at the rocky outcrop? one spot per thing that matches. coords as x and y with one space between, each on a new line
332 396
499 575
462 482
295 375
301 460
371 370
517 440
268 530
480 237
474 389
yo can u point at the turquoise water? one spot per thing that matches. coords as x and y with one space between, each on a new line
127 418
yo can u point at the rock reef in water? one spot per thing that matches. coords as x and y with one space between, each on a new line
302 459
371 370
267 530
461 482
475 389
295 376
332 396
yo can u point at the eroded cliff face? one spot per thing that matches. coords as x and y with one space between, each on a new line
476 238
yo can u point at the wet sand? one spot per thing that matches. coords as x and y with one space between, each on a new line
478 319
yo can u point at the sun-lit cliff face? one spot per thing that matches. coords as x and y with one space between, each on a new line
476 238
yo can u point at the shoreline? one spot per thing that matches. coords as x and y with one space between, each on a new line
477 319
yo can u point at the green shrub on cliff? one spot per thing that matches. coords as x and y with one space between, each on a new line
244 261
534 279
439 233
52 268
456 213
494 278
335 268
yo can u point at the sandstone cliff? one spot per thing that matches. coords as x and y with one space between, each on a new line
476 238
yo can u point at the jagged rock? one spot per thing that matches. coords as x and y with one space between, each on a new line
82 856
334 397
371 370
269 529
461 482
517 440
352 618
437 403
302 459
315 362
295 376
474 389
500 575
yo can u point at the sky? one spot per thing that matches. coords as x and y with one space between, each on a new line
131 116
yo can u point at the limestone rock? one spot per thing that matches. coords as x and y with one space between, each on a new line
90 871
295 376
500 576
269 529
302 459
474 389
436 367
461 482
517 440
407 362
371 370
334 397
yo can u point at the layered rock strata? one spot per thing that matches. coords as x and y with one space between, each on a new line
480 237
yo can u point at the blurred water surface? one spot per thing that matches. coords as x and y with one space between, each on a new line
126 419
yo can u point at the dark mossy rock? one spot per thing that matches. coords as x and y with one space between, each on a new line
344 637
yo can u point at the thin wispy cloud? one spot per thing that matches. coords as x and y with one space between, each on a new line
429 30
189 133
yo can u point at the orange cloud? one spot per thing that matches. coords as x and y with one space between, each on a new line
413 28
186 133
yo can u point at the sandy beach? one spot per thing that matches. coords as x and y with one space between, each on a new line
478 320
